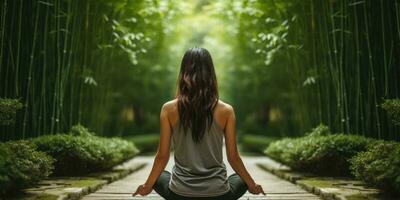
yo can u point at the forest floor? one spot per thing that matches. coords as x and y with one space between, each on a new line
276 188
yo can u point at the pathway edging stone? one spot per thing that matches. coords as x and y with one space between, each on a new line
74 188
329 188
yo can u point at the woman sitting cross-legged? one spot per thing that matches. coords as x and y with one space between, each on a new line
195 124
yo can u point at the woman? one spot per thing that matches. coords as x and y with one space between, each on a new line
195 123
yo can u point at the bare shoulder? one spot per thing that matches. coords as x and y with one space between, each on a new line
170 108
170 105
224 108
222 113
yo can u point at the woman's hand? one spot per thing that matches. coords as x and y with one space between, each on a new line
256 189
143 190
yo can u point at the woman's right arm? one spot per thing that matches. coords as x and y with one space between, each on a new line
233 155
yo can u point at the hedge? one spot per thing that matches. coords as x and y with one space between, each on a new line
81 152
379 166
256 143
21 165
8 110
392 108
319 152
146 143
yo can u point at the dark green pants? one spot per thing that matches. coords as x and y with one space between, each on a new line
238 188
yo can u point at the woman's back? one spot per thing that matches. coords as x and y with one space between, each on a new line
199 169
195 125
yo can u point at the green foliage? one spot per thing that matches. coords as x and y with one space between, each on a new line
8 110
256 143
84 153
318 153
21 165
392 108
88 61
308 60
260 43
145 143
79 130
320 130
379 166
297 62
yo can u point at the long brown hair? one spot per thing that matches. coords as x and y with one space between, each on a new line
197 92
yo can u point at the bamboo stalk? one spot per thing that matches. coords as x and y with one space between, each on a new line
29 78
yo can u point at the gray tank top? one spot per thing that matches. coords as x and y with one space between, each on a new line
199 170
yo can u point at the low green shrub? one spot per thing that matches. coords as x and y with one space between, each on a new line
79 130
256 143
392 108
21 165
8 110
320 130
379 166
146 143
81 152
288 150
283 150
318 152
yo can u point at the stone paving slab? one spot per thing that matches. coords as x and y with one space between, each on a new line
275 187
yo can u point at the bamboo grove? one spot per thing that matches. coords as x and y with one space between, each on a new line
301 63
285 65
82 61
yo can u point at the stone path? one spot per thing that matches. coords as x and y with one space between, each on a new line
275 187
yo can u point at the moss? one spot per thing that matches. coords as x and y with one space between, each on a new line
350 193
85 182
355 197
362 197
45 197
319 182
36 196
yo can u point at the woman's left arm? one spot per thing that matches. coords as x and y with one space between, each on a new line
162 156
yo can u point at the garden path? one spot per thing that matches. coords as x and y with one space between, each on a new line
275 187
